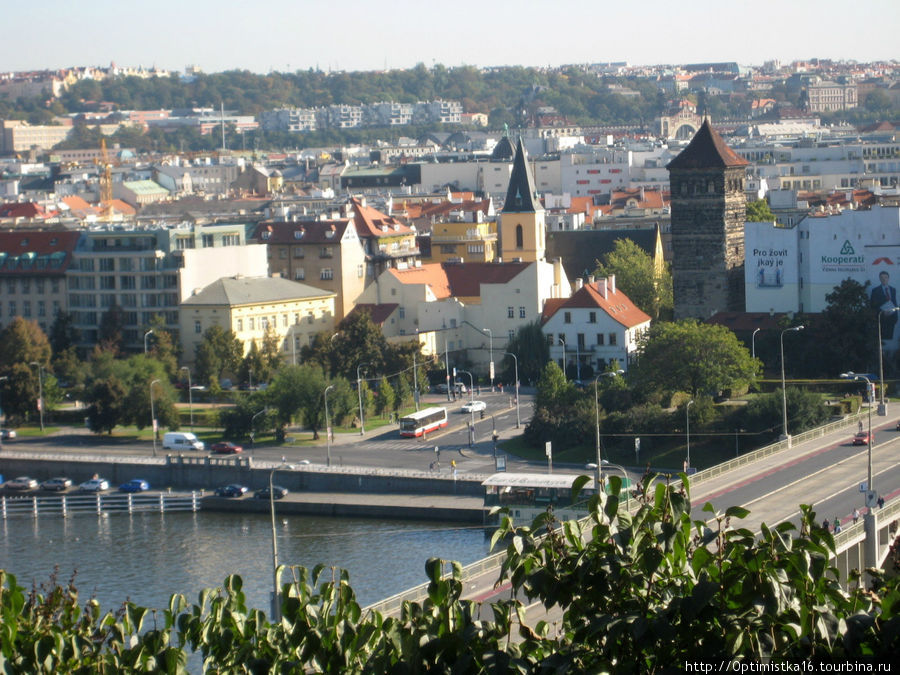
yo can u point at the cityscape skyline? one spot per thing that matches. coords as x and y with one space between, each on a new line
220 36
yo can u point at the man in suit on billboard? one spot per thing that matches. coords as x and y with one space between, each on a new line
884 299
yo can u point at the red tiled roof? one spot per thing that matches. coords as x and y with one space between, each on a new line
23 210
432 275
48 253
616 304
370 221
707 150
651 199
459 279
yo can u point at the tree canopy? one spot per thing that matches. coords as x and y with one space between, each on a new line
692 357
647 285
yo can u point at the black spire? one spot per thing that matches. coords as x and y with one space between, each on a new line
520 195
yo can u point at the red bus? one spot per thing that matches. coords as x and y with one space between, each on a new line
423 421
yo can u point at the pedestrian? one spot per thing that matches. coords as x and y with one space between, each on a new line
859 426
826 525
880 502
855 516
837 525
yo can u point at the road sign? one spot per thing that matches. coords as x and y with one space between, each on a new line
863 486
492 370
871 499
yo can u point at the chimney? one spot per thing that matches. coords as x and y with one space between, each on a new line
611 281
591 280
579 284
601 287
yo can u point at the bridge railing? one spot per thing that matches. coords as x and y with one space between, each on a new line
778 446
69 504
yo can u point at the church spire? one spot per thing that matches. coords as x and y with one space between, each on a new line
521 196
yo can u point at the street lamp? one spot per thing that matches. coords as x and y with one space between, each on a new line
687 428
153 415
362 425
146 335
40 391
276 591
328 425
471 398
252 420
753 342
868 389
597 415
516 366
562 340
190 394
491 365
786 435
882 408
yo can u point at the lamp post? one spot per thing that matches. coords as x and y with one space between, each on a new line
362 425
153 415
516 366
753 342
252 420
491 365
146 335
869 467
882 408
471 398
2 379
447 365
687 428
597 416
786 435
328 426
415 379
40 391
562 340
276 591
190 394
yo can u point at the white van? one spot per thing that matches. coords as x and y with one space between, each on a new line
178 440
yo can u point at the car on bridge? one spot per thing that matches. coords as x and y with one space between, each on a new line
57 484
278 492
226 448
862 438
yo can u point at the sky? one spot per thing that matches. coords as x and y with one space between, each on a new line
290 35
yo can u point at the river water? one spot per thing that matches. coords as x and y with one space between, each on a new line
145 557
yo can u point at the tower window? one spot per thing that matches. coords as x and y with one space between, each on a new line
520 239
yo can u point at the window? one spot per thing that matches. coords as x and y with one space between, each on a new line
521 312
612 338
39 285
476 248
360 271
26 308
561 339
107 264
298 252
284 320
197 327
12 308
448 248
310 317
126 282
11 286
231 240
42 309
108 283
263 323
549 337
326 274
510 314
299 274
207 240
283 254
251 323
54 286
601 339
510 335
581 340
326 252
401 312
240 325
520 240
567 317
592 317
26 286
296 318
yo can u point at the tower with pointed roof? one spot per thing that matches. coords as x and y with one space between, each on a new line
708 214
522 227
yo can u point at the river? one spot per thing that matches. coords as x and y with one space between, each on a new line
145 557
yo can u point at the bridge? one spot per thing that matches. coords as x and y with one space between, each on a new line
859 545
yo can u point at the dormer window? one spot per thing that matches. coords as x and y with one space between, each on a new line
298 234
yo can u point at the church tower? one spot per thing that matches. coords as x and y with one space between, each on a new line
522 231
708 214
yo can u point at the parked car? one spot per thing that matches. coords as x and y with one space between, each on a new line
226 448
473 406
22 483
135 485
7 434
277 492
94 485
233 490
58 484
862 438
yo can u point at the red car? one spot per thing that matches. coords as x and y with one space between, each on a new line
862 438
226 448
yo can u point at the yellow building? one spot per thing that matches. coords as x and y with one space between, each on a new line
522 224
463 242
251 306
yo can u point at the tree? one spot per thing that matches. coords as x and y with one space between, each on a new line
163 347
107 404
692 357
758 211
765 412
359 340
844 334
647 284
22 343
298 391
529 344
218 353
109 332
385 397
63 333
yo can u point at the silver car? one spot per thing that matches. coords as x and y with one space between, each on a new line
94 485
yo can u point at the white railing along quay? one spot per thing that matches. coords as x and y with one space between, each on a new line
74 504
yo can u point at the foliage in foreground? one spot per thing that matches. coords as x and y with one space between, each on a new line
650 591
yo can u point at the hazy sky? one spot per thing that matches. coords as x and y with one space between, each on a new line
289 35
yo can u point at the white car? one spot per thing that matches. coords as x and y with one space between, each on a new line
7 434
473 406
94 485
22 483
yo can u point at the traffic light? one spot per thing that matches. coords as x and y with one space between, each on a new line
482 414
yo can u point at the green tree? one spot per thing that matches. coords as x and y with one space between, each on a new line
758 211
109 332
647 284
63 333
107 409
218 353
844 334
553 388
692 357
163 347
385 397
22 344
765 413
403 392
359 340
529 344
